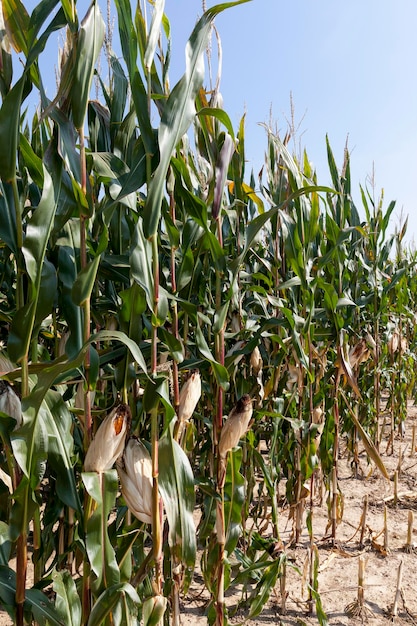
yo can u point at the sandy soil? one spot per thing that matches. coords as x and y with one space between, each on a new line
339 563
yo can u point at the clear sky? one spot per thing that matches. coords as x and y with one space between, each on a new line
350 67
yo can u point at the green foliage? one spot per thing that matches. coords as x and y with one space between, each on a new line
136 254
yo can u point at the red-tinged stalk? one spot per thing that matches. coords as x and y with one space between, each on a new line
21 546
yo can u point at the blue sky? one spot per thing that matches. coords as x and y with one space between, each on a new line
350 67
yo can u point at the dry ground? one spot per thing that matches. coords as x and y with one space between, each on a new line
338 572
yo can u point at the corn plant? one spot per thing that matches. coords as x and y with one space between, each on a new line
165 322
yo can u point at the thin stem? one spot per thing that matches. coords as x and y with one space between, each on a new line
220 524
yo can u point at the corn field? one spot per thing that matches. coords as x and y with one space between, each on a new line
183 341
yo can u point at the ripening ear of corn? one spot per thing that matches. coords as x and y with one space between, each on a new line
109 441
154 609
396 343
256 360
189 396
135 473
233 430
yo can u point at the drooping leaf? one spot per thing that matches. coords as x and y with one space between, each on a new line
58 369
220 115
371 450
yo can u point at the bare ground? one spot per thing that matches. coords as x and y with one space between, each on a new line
339 563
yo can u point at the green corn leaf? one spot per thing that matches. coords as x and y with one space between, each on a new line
6 63
176 484
265 586
88 46
156 391
219 370
127 34
38 232
103 488
67 272
154 31
9 130
6 544
32 161
140 260
67 601
256 225
21 331
40 14
70 14
178 113
30 448
59 426
220 115
8 589
174 345
58 369
85 282
42 608
7 217
42 274
121 596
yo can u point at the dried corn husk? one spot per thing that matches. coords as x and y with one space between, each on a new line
236 425
135 473
189 396
7 480
109 441
358 354
396 343
371 343
295 376
256 360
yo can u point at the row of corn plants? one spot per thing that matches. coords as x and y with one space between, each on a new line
181 341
